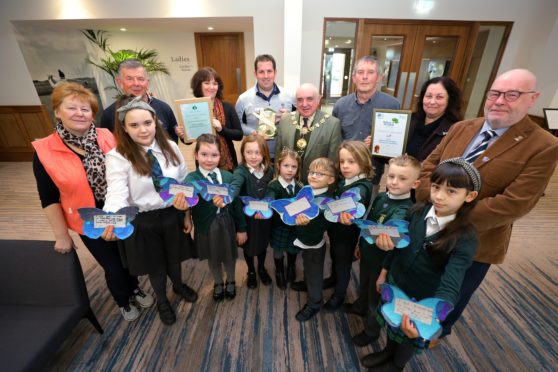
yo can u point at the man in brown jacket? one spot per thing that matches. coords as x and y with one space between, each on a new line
515 158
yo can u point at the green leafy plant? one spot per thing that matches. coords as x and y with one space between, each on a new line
112 59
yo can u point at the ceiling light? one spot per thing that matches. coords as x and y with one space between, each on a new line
348 41
210 28
122 29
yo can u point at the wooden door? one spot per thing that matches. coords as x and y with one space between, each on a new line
415 51
225 53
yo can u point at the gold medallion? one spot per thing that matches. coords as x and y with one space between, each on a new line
303 131
301 144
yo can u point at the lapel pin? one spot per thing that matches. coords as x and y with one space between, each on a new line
485 159
518 138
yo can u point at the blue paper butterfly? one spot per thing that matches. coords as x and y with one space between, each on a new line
88 217
165 185
202 188
402 227
280 204
250 212
356 212
440 310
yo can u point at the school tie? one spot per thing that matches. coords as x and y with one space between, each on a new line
305 124
481 147
213 177
156 171
290 189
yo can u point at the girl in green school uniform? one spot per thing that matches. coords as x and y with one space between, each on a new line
217 229
285 185
443 243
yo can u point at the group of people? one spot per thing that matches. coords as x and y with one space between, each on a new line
470 180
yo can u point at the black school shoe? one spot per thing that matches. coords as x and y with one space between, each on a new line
380 360
252 281
334 303
299 286
230 293
166 313
218 296
353 309
187 293
362 339
264 276
306 313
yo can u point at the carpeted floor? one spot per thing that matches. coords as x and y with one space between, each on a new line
511 323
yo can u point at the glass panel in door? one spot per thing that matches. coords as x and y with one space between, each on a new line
388 48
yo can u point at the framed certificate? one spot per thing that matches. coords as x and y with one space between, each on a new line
389 132
551 116
195 115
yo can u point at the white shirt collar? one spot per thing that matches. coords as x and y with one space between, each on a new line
320 191
206 172
399 197
153 147
351 180
435 223
284 183
310 119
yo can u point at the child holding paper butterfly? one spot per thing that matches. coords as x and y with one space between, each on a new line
443 243
401 177
310 237
250 179
285 185
218 229
160 242
355 167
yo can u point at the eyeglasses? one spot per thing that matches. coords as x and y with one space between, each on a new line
510 95
318 174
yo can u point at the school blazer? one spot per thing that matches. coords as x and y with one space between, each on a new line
515 171
324 140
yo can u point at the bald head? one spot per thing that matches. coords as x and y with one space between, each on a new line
500 112
307 99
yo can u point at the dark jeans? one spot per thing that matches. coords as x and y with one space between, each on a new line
313 265
119 281
472 280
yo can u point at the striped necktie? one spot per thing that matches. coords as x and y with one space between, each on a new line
213 177
156 171
290 189
481 147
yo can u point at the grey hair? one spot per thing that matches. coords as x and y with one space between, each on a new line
368 59
310 86
131 64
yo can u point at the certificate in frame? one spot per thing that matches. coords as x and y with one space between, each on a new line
195 116
389 132
551 117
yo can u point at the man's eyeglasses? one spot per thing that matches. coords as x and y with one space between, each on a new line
510 95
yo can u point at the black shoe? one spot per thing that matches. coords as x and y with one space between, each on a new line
377 359
264 276
329 282
252 282
306 313
388 366
166 313
280 273
218 295
363 339
230 293
333 303
299 286
187 293
353 309
291 273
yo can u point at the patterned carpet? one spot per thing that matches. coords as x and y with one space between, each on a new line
511 323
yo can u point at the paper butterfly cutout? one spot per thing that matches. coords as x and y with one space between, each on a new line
356 212
440 310
304 193
88 217
265 215
165 184
203 186
402 227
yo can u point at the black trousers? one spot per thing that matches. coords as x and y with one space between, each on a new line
472 280
313 265
119 281
342 252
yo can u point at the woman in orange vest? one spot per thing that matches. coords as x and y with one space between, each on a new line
69 167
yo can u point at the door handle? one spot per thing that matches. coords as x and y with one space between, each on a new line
402 86
409 93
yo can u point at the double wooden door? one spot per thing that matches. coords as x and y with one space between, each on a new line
412 52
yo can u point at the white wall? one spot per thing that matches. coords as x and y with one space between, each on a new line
533 43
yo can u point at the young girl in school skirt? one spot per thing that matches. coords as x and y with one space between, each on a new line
443 243
250 179
216 233
356 171
158 245
284 185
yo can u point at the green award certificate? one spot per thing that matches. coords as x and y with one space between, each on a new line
195 115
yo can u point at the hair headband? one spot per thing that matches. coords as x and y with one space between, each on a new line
136 103
471 171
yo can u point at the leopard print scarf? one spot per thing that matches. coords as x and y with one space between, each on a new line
93 160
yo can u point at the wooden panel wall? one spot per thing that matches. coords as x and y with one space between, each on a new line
19 125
